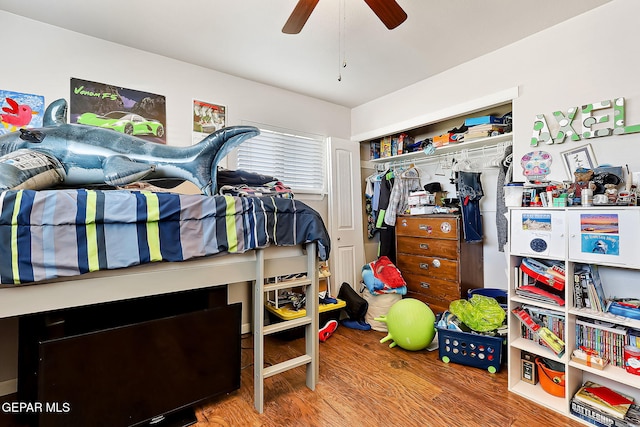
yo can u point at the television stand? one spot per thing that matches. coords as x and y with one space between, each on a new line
131 362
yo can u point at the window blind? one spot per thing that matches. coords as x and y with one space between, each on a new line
298 161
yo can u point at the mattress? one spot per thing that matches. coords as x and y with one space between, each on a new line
57 233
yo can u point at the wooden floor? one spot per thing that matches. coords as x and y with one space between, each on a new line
365 383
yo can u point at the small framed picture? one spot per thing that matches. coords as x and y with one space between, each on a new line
580 157
529 372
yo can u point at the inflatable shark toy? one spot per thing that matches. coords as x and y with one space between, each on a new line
93 155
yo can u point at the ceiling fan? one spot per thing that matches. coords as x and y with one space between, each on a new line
389 12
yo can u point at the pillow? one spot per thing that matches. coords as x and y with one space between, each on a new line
26 169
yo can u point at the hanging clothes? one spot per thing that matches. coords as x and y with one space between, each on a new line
504 175
407 181
371 199
470 192
387 245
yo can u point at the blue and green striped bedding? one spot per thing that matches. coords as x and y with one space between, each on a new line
58 233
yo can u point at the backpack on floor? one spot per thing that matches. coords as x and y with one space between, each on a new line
357 306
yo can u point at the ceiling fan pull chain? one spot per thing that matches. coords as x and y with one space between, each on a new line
342 26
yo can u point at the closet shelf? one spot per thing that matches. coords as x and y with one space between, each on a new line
476 143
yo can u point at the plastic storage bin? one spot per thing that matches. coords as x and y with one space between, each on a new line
480 351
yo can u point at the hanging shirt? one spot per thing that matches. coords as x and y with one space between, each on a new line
408 181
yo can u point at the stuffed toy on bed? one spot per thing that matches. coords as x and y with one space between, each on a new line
81 155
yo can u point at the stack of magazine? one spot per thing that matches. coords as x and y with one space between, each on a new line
541 280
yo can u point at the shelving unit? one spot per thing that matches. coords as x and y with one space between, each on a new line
557 235
476 144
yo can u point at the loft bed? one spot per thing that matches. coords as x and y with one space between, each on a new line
68 248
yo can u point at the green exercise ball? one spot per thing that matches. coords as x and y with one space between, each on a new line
411 324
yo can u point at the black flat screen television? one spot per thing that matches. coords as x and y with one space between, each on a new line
142 373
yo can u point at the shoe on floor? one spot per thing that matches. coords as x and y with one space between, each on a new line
357 324
327 330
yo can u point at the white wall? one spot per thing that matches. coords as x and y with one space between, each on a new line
48 57
587 59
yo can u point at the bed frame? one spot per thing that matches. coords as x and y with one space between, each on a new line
165 277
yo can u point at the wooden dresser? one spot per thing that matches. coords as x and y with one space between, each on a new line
435 261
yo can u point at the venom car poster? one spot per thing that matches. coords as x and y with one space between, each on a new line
129 111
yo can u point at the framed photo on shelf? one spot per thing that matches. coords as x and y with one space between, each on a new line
580 157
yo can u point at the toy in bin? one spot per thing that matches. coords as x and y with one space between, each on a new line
467 348
480 351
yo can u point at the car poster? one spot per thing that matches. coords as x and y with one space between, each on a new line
207 118
20 110
137 113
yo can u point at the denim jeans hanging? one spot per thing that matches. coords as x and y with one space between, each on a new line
470 192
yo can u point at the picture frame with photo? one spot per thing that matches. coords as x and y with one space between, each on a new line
579 157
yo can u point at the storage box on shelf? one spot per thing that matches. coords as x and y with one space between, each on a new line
408 144
603 239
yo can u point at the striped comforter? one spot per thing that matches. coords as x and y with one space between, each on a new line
57 233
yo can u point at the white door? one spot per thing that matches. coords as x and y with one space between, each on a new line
345 214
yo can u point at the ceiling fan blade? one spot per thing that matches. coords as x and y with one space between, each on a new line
299 16
389 12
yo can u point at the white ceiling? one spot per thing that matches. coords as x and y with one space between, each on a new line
244 38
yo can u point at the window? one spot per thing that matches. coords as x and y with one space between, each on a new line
299 161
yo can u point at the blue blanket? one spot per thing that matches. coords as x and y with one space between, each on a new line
57 233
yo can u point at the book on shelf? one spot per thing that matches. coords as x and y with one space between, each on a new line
578 293
547 272
551 319
528 287
604 399
599 418
547 337
483 131
606 339
590 293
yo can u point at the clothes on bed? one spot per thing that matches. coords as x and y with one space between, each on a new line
242 177
274 188
250 184
56 233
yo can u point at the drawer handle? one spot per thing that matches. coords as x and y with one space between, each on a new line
424 246
425 285
436 263
424 266
425 227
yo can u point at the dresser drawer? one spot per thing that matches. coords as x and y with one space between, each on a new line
432 227
438 291
441 268
428 247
